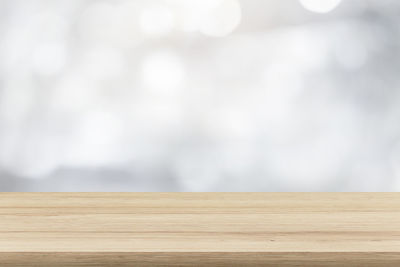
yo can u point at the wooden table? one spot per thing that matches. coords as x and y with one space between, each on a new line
186 229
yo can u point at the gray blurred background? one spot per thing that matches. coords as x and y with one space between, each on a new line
199 95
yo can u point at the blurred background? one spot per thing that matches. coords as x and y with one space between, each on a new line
199 95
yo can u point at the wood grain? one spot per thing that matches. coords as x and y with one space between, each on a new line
199 229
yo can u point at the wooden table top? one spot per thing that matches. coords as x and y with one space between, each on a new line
186 229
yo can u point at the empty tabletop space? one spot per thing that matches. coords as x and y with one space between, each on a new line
212 229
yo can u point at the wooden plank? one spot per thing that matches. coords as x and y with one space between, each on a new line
186 229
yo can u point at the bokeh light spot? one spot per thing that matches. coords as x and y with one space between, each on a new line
320 6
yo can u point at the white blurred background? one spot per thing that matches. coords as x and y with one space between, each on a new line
199 95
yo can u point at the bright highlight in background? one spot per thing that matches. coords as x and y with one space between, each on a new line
223 19
216 18
156 20
320 6
163 71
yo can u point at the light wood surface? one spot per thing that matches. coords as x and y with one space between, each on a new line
196 229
